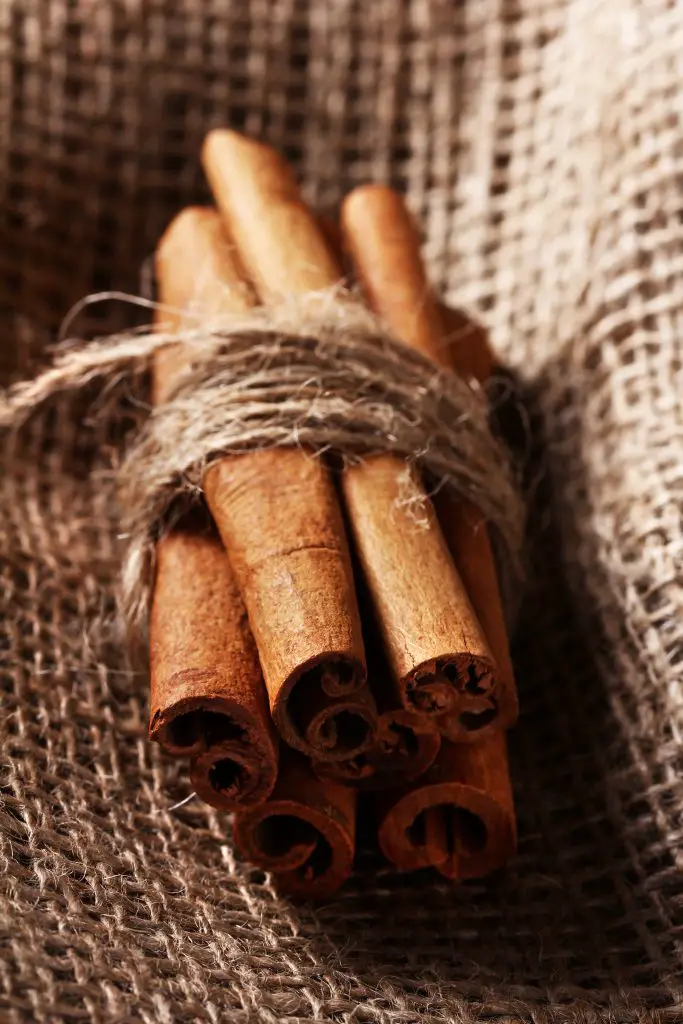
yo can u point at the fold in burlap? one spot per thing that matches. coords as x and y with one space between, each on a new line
540 143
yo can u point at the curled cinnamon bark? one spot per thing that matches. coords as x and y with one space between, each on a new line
304 834
405 746
207 697
279 518
431 633
465 345
470 699
459 818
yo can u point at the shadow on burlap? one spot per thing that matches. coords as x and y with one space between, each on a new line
538 142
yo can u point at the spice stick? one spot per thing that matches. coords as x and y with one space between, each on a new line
207 698
279 518
459 818
384 244
429 629
305 833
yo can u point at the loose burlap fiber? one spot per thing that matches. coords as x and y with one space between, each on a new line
540 142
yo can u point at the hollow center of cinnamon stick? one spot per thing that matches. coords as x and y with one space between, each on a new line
336 678
278 835
474 720
432 689
448 831
210 726
474 680
226 775
344 731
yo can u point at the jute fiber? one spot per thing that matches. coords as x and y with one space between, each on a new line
540 143
320 373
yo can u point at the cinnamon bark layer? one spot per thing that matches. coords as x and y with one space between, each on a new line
278 516
207 700
305 833
431 634
459 818
384 244
465 348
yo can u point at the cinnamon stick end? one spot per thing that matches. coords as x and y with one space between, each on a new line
234 775
183 727
326 709
463 832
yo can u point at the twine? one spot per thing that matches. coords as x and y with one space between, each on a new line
320 373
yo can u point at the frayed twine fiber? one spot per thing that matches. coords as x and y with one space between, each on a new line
320 373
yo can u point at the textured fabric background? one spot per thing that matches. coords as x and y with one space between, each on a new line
541 144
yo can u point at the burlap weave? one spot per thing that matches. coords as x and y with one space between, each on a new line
540 141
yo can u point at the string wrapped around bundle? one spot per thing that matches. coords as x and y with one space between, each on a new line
318 374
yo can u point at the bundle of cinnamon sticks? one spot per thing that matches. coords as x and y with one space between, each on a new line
310 644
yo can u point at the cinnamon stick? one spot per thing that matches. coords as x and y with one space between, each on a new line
207 698
384 244
208 701
465 344
433 640
304 833
278 517
459 818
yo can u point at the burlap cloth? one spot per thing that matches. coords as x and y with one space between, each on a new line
540 143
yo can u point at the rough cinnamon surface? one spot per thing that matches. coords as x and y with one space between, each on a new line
207 696
537 144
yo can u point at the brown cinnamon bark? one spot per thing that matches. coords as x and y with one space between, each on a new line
207 697
305 833
405 746
459 818
279 518
466 347
429 629
384 244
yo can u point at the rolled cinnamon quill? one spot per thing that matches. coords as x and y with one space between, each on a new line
459 818
207 697
305 833
278 516
208 701
382 239
435 645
